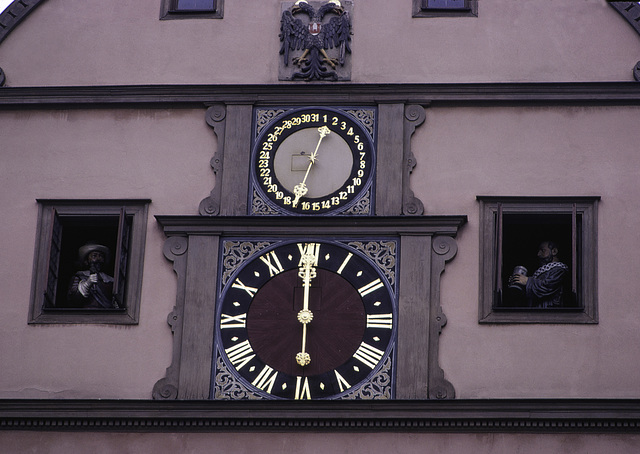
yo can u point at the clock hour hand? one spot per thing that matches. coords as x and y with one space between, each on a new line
301 189
306 272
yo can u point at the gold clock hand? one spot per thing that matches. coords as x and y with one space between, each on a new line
307 272
301 189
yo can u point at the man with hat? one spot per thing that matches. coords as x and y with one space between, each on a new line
91 287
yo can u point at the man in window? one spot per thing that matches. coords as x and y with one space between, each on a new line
545 287
91 287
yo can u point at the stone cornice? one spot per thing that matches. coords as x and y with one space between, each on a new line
499 415
590 93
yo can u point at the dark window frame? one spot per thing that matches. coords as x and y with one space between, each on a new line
421 8
128 219
169 10
579 214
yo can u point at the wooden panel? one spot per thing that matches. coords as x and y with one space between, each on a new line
198 320
413 325
390 159
235 174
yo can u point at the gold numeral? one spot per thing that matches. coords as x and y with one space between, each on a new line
233 321
265 379
240 354
368 355
250 290
302 388
275 267
380 321
346 260
310 249
342 382
370 287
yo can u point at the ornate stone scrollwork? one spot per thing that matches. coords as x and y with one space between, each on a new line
366 116
174 249
236 252
414 116
445 246
215 117
264 116
260 207
361 207
382 253
226 386
164 390
175 246
379 388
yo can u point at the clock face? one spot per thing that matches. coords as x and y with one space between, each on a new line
306 320
313 161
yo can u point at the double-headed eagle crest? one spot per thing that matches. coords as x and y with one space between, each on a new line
315 38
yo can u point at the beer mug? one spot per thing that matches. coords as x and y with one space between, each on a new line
518 270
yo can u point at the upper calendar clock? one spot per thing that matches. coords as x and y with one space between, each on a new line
313 161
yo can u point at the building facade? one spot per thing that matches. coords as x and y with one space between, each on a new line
465 138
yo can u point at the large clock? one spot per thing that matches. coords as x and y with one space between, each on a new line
306 319
313 161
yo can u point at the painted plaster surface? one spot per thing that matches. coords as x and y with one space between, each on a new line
161 155
543 152
315 443
79 42
461 152
164 155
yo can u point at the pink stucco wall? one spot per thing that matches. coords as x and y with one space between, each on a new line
79 42
157 154
461 152
164 155
317 443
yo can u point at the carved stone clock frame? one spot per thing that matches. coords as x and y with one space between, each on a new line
425 244
396 123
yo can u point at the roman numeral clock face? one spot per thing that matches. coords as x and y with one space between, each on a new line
306 320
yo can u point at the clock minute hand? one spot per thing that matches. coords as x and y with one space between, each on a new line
307 272
301 189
